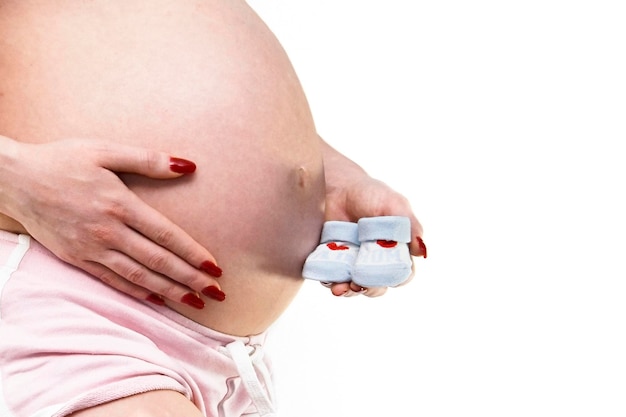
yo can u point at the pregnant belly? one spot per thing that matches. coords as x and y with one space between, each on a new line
205 81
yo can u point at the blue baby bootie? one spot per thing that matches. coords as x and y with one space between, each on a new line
333 259
384 259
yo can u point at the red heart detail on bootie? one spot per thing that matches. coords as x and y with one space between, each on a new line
334 246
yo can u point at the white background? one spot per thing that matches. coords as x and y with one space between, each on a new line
504 123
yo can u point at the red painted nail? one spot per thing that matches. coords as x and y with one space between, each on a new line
214 292
156 299
181 166
193 300
387 243
422 246
212 269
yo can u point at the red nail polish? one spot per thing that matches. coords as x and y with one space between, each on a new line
422 246
212 269
156 299
193 300
181 166
214 292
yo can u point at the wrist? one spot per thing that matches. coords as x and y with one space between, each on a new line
340 171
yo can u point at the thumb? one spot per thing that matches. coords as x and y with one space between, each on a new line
143 161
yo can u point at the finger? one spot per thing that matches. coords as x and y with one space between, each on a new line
142 161
163 262
356 289
115 281
160 230
374 292
122 284
350 289
417 247
340 289
140 276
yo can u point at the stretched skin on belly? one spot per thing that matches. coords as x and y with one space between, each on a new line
206 81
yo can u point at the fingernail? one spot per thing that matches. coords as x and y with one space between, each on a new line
214 292
212 269
156 299
193 300
422 246
181 166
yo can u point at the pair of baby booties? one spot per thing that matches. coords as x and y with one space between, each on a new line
371 253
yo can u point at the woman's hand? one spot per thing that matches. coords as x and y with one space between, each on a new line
67 196
352 194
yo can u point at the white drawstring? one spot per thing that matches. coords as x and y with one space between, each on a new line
250 365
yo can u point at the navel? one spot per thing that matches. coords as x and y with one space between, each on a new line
303 177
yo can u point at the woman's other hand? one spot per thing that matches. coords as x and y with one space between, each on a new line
66 194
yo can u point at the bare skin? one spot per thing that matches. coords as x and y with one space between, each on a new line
111 234
201 80
149 404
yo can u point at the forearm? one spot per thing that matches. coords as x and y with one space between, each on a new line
345 182
340 171
352 194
